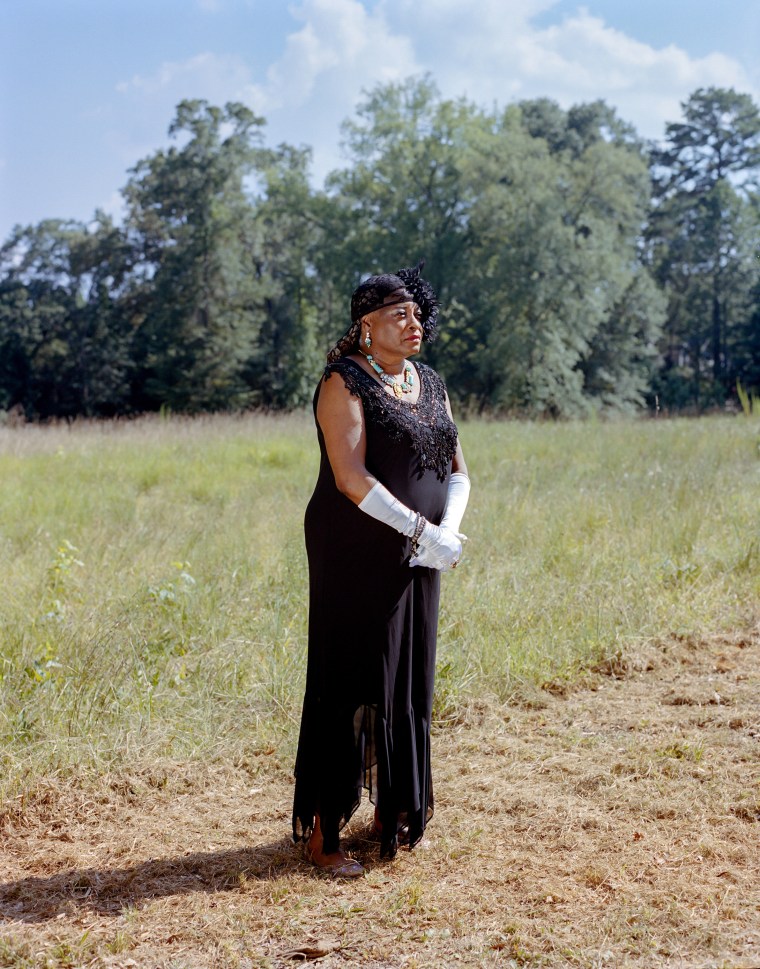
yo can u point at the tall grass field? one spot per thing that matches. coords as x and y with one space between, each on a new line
154 589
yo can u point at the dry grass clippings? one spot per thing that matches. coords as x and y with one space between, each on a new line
611 824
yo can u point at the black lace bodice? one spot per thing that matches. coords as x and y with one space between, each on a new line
426 423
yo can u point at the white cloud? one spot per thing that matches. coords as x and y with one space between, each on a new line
307 81
204 75
149 100
583 59
341 49
491 51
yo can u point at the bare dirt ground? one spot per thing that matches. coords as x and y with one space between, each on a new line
613 822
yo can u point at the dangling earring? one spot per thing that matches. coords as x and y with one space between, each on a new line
368 340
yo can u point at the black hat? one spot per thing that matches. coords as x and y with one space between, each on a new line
406 285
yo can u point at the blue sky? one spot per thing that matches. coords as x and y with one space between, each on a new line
88 87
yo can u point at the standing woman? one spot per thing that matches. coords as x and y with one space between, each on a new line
381 526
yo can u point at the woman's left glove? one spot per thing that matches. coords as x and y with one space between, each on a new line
456 503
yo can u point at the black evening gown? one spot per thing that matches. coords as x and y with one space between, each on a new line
373 623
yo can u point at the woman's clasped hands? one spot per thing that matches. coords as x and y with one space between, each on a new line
439 548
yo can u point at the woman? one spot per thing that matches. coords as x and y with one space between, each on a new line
382 524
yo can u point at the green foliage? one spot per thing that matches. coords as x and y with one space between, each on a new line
567 289
568 308
406 192
530 240
227 314
282 370
65 341
188 213
704 237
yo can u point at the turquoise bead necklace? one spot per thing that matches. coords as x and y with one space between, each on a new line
399 387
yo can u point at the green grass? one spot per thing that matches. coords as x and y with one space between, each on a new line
154 577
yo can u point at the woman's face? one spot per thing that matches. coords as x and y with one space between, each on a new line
395 330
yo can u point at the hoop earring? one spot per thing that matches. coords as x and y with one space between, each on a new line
368 340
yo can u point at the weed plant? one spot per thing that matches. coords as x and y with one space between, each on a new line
154 576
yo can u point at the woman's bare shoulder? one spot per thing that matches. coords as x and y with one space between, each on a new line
352 373
344 392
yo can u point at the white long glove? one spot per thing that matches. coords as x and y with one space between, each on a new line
443 544
456 503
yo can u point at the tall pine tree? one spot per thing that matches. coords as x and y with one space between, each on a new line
703 238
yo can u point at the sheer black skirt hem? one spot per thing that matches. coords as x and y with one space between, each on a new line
391 763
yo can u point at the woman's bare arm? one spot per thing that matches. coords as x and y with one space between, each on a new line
341 417
458 463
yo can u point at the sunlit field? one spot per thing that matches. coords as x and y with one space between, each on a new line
154 575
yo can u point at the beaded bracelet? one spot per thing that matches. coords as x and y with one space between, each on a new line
419 526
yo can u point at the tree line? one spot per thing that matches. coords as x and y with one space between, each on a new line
580 268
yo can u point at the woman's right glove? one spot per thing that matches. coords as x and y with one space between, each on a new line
444 546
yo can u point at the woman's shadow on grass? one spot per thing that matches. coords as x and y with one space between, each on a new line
108 891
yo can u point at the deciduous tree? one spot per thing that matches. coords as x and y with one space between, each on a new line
189 216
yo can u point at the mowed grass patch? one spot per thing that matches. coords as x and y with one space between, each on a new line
155 588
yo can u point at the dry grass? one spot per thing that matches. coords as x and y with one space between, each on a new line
613 822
